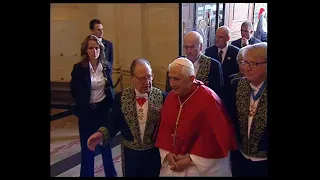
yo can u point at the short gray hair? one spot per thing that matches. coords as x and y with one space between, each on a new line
247 24
186 64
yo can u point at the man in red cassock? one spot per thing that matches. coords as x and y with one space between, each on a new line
195 135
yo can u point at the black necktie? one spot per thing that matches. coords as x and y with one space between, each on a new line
220 56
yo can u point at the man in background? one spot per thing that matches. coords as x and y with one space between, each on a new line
97 30
246 36
224 52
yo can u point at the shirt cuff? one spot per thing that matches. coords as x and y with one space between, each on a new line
163 154
105 135
203 164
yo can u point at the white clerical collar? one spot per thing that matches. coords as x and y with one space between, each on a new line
138 94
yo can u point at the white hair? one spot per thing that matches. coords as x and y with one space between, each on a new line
187 66
257 50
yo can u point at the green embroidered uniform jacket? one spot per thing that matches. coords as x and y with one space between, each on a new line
256 144
124 118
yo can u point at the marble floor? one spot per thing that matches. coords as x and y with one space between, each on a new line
65 148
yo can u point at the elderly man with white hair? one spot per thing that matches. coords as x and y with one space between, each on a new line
247 106
195 135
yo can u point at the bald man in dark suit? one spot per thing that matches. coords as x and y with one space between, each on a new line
224 52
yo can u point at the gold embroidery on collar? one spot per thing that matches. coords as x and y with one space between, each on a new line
250 144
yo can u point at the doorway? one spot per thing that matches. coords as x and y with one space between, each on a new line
204 18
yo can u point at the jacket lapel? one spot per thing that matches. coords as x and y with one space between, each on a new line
106 54
86 71
227 56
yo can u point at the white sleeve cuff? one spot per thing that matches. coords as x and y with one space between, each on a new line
163 154
203 164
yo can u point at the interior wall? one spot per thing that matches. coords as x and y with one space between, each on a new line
148 30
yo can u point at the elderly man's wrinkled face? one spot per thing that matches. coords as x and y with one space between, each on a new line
255 68
191 47
221 38
179 83
142 78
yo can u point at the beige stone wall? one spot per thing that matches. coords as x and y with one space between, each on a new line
69 26
136 30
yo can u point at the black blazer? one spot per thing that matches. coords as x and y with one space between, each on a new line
108 51
80 86
252 40
230 64
228 86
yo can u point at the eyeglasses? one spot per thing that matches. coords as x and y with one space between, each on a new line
246 31
251 64
143 79
191 47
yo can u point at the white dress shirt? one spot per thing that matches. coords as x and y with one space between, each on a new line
196 65
97 84
142 123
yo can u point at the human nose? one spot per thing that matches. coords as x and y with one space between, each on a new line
171 82
247 67
189 50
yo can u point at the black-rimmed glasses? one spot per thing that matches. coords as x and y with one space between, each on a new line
251 64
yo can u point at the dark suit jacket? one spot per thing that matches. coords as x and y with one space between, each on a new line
252 40
228 86
81 88
108 51
213 79
230 64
